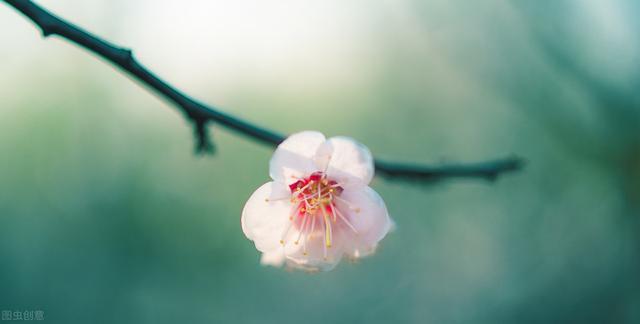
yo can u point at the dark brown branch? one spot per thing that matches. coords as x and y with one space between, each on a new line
200 114
486 170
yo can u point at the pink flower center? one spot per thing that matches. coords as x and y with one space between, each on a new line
314 208
314 193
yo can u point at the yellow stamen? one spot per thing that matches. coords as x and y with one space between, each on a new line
327 227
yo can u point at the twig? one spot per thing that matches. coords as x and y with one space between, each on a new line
486 170
200 114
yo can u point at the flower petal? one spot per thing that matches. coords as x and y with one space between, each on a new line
314 259
346 161
294 157
273 258
264 217
366 211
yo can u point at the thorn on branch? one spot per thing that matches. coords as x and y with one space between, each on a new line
125 55
47 30
204 145
48 25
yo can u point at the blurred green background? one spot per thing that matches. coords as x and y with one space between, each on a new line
107 216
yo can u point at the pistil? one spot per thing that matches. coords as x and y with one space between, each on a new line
314 201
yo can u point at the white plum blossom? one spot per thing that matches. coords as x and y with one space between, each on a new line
319 207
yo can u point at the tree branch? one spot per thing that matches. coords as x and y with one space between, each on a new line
200 114
489 170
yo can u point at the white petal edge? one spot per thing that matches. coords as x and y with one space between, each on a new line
293 158
273 258
346 161
264 221
367 212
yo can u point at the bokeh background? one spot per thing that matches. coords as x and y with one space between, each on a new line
107 216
